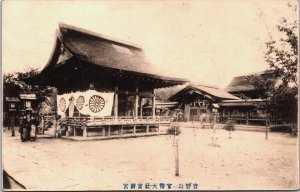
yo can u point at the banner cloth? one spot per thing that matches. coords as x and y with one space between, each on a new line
90 102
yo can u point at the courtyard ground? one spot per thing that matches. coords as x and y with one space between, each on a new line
247 161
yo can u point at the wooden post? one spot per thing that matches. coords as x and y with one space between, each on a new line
136 104
141 108
116 103
103 131
84 131
121 130
55 126
176 159
134 129
267 120
108 134
43 124
12 125
153 106
247 118
147 129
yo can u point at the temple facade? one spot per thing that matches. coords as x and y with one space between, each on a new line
102 84
198 100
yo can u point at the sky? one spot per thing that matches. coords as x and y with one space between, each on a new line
205 41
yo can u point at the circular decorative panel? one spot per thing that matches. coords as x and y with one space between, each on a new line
62 104
96 103
80 102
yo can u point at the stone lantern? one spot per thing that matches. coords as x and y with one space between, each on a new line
13 105
27 100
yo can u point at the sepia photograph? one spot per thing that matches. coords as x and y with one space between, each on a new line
150 95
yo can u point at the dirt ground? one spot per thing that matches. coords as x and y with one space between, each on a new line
247 161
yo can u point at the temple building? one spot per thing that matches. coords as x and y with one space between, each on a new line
102 83
198 100
251 108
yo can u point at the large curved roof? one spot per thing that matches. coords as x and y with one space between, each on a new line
103 51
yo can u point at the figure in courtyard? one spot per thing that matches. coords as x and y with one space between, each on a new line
33 128
23 128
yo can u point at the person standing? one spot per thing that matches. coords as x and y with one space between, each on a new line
33 128
23 128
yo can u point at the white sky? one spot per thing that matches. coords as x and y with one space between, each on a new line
207 41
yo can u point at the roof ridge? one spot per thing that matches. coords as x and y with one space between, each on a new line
256 73
95 34
205 85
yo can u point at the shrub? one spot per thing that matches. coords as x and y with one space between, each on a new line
172 128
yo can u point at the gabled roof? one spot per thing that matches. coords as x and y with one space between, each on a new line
211 92
102 51
241 84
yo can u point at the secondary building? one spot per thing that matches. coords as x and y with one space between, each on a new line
198 100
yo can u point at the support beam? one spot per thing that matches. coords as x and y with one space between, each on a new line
121 130
141 108
84 131
103 131
13 125
153 106
247 118
136 104
108 134
43 124
116 103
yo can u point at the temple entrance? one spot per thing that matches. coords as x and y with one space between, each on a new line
194 116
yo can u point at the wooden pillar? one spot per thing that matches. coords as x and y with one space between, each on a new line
12 125
103 131
247 118
187 111
153 106
43 124
147 129
55 126
121 130
134 129
108 133
136 105
141 108
84 131
116 104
